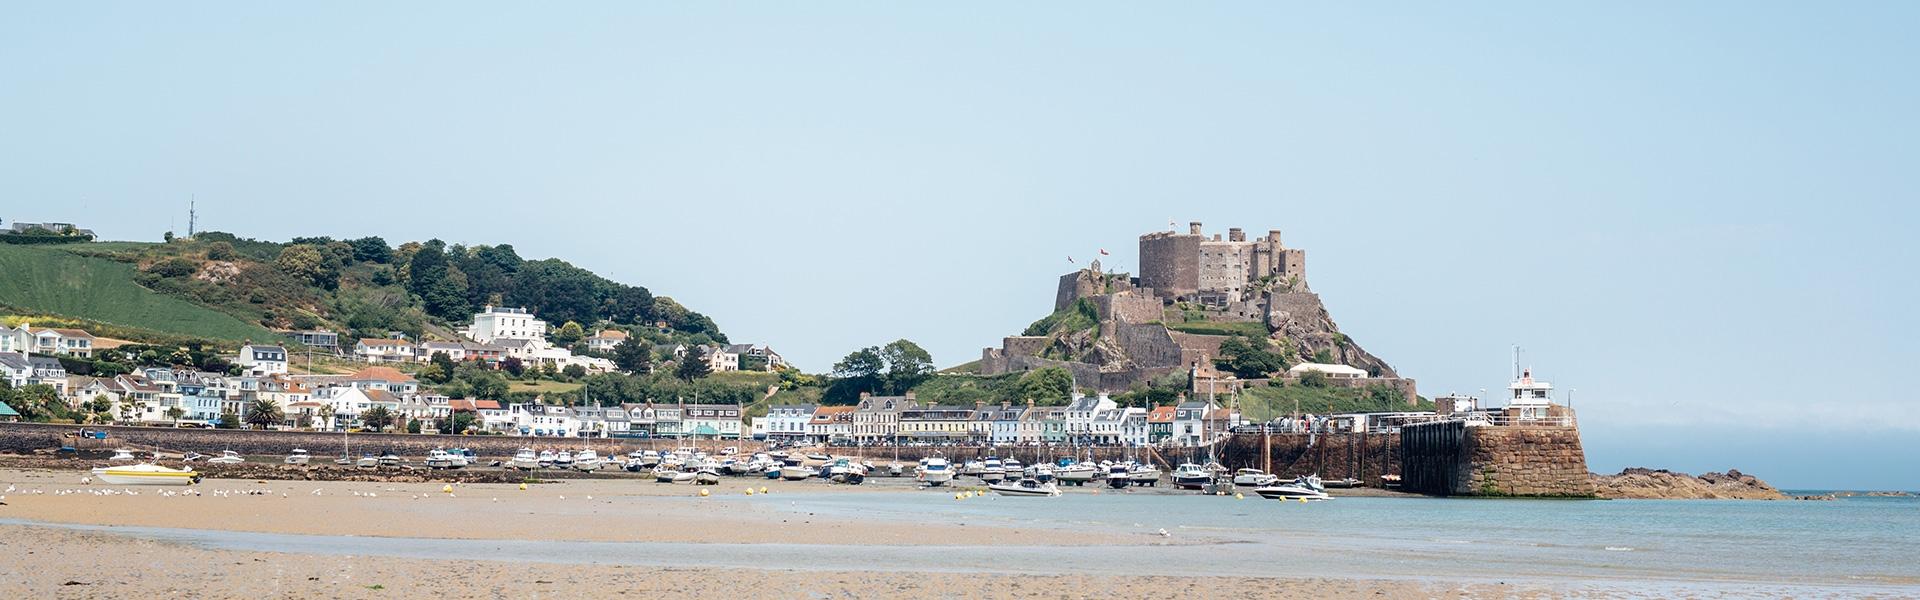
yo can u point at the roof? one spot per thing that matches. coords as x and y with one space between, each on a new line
828 414
45 362
513 342
739 348
15 360
455 345
611 334
383 342
1160 414
266 347
64 332
387 374
1329 369
7 411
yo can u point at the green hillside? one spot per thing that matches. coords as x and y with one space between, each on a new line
54 280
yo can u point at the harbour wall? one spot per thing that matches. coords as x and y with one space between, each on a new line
1365 457
1451 459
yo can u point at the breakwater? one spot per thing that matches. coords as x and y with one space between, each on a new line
1451 459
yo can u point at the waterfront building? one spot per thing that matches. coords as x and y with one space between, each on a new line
788 422
710 421
1004 426
381 350
936 423
261 360
1080 414
830 423
1135 431
1160 425
877 418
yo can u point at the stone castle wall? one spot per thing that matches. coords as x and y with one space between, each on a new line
1170 263
1130 307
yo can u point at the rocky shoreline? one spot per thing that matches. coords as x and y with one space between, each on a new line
1640 483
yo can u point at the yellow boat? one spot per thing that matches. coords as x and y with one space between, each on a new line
145 474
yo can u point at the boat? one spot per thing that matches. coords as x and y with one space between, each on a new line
1147 475
935 470
973 468
227 457
685 476
389 459
1189 476
563 460
1254 478
145 474
439 459
1344 482
796 473
299 457
1026 486
1041 472
123 454
816 460
664 475
1076 473
525 460
1306 487
706 476
461 457
546 459
586 460
842 470
895 469
774 471
1119 475
993 471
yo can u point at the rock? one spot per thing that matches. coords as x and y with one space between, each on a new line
1663 484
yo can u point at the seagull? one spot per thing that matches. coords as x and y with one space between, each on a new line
1163 533
9 488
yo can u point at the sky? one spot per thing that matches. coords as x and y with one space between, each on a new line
1696 215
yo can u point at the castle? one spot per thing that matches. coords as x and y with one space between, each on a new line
1191 288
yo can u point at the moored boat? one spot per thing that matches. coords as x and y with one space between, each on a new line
1076 473
1254 478
796 473
145 474
1026 486
1306 487
1147 475
526 460
227 457
1119 475
935 470
1190 476
298 457
439 459
586 460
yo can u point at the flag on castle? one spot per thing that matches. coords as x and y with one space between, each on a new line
1070 259
1103 252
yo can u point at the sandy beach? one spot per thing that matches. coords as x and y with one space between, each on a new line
71 541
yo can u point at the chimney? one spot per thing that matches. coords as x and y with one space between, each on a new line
1193 228
1234 234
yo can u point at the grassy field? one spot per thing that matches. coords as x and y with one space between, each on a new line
1261 403
55 281
1253 330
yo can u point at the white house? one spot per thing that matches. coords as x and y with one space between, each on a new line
499 322
15 369
379 350
720 360
261 360
1081 413
350 402
606 340
55 341
16 339
787 421
1332 371
1135 432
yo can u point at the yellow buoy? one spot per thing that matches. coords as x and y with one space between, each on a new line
959 496
1303 500
523 487
749 491
703 492
763 489
1239 496
448 488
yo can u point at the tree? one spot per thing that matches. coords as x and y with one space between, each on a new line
37 402
1313 379
446 364
633 356
694 365
460 422
513 366
1046 386
574 371
221 251
371 249
264 413
413 425
228 420
569 333
376 418
907 365
174 267
1248 358
1323 356
308 263
175 413
326 416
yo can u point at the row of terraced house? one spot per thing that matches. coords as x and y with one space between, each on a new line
1085 420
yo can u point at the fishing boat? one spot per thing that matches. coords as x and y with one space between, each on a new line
1254 478
439 459
526 460
1026 486
935 470
586 460
1147 475
1189 476
1119 475
796 473
993 471
1076 473
227 457
299 457
145 474
1306 487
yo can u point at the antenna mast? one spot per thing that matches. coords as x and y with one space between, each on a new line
192 216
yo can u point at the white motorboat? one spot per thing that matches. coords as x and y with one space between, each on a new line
796 473
973 468
367 462
546 459
299 457
685 476
389 459
993 471
563 460
1076 473
706 476
842 470
1147 475
586 460
1306 487
1026 486
439 459
1254 478
664 475
935 470
1119 475
895 469
816 460
460 457
227 457
525 460
649 459
145 474
1041 472
1190 476
123 454
1012 467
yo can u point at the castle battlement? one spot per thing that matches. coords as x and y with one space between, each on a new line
1192 265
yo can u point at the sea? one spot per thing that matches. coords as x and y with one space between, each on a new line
1844 547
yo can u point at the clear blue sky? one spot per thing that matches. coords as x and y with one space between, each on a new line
1697 214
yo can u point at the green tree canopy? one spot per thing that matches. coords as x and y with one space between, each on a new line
693 365
633 355
264 413
1046 386
377 418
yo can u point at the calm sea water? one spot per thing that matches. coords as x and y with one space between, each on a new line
1845 547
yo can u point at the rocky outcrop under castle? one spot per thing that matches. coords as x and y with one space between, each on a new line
1663 484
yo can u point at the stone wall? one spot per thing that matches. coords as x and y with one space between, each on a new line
1130 307
1450 459
1331 456
1170 263
22 438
